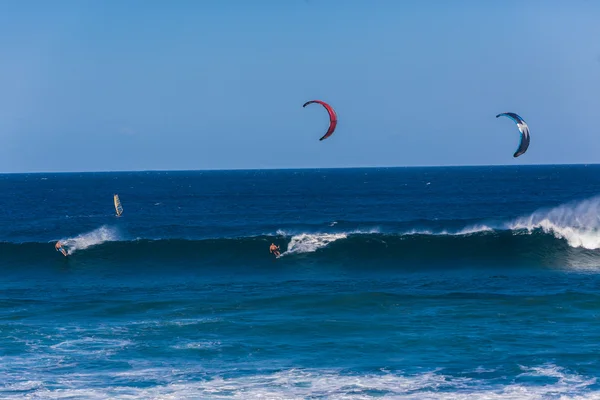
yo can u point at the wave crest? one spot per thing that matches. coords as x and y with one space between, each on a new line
308 243
578 223
93 238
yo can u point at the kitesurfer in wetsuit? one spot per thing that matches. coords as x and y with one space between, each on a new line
274 249
58 247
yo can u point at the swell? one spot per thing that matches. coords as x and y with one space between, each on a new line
482 248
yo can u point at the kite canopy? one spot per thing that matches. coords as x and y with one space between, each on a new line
332 117
523 128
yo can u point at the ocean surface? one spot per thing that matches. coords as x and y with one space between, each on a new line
399 283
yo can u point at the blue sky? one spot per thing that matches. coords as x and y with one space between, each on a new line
212 84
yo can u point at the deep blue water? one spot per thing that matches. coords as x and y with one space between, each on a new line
419 283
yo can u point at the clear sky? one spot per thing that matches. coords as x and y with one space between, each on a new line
212 84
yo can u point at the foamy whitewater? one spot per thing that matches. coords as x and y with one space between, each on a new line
409 283
577 222
93 238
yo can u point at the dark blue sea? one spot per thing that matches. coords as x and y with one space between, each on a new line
399 283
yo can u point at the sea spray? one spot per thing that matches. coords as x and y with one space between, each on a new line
576 222
93 238
308 243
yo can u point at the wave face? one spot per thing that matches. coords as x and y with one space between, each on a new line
566 235
509 249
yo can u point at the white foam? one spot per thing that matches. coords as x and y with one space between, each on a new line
469 230
301 384
309 243
93 238
578 223
188 345
177 322
91 345
281 232
24 386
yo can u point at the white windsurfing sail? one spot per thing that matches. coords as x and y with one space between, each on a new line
118 206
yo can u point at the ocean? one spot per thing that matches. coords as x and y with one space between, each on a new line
394 283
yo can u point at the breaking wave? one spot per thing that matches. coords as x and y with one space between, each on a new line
578 223
555 382
89 239
567 235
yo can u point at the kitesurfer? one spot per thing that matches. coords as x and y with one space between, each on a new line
58 247
273 249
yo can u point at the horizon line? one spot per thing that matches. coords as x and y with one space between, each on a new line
298 168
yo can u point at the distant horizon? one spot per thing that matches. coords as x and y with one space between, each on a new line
302 168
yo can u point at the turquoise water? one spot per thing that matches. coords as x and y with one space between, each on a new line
418 283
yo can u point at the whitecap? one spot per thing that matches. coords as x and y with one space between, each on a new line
93 238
